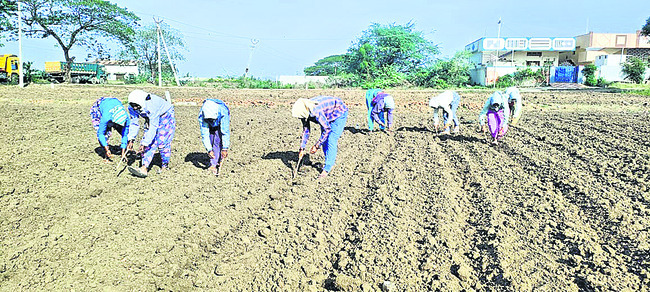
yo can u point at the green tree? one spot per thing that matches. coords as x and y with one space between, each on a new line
444 73
88 23
143 48
634 69
645 30
389 50
8 12
589 72
328 66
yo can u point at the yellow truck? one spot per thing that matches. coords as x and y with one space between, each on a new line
9 69
79 72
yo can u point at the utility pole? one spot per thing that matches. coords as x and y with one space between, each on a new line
254 42
21 82
160 36
498 47
158 50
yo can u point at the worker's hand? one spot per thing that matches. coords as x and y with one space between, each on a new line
224 154
141 149
437 127
108 152
211 154
483 128
313 149
129 146
301 151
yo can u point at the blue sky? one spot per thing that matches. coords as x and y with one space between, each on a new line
294 34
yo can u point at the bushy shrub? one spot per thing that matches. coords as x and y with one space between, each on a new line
634 69
521 76
505 81
589 72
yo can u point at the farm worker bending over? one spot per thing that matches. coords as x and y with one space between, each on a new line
331 113
383 102
159 114
448 101
497 111
214 119
108 113
370 95
514 104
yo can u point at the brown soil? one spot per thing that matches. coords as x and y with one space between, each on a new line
562 205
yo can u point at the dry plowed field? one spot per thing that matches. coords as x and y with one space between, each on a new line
563 204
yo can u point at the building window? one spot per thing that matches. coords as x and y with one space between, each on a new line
621 40
532 63
533 54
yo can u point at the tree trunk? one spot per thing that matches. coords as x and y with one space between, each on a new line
68 66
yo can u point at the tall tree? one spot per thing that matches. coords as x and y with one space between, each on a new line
8 13
143 48
88 23
645 30
327 66
383 49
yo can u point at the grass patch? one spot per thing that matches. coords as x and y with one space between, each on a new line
631 86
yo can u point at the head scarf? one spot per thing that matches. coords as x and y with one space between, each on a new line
496 100
138 97
302 107
389 102
210 110
119 115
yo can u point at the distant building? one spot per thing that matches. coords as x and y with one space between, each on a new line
565 56
117 69
592 45
495 57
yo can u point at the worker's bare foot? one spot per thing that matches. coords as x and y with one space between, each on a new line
323 174
214 170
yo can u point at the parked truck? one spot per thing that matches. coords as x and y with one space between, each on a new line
79 72
9 69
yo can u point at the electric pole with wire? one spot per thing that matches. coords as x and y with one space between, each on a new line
254 43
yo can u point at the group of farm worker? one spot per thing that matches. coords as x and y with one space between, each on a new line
108 113
500 109
329 112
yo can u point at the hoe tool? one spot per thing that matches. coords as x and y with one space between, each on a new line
295 170
120 170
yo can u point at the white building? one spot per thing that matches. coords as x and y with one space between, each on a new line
117 69
495 57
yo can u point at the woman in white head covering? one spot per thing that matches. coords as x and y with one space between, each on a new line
158 136
448 101
514 104
214 120
497 112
